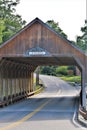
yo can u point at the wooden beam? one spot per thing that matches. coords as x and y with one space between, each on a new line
1 84
83 91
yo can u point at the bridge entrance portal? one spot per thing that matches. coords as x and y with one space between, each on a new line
36 44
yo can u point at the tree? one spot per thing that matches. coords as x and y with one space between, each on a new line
48 70
56 27
82 40
11 22
2 27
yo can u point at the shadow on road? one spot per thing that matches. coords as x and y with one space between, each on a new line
57 108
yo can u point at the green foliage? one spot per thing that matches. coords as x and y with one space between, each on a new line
76 79
48 70
56 27
72 69
58 70
62 70
82 40
11 22
7 7
2 27
37 87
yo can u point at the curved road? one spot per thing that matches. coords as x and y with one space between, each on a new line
53 109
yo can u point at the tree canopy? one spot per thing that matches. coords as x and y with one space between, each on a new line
55 26
82 40
10 21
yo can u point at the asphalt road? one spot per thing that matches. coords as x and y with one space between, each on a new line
53 109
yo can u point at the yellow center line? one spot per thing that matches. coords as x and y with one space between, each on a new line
26 117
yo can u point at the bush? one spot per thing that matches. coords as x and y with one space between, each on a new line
48 70
76 79
62 70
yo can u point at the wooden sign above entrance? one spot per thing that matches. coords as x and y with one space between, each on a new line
37 51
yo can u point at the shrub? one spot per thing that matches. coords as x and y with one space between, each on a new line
62 70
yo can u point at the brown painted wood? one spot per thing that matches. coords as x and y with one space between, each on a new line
38 34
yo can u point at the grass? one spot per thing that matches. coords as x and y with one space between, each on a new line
76 79
37 87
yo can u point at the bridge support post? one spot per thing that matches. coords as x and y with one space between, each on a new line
32 76
27 83
6 89
83 91
26 79
37 76
31 82
10 85
1 85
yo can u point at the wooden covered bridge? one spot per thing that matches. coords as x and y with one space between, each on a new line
35 45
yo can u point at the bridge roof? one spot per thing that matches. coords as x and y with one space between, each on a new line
43 43
43 24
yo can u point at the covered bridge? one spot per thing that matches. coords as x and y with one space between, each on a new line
35 45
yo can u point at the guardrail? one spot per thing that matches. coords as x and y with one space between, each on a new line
83 113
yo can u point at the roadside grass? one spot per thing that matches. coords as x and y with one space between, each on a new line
37 86
76 79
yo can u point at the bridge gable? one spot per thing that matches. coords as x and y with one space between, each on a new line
38 34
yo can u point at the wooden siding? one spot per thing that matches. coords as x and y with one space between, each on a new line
37 34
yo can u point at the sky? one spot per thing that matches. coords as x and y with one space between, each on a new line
70 14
